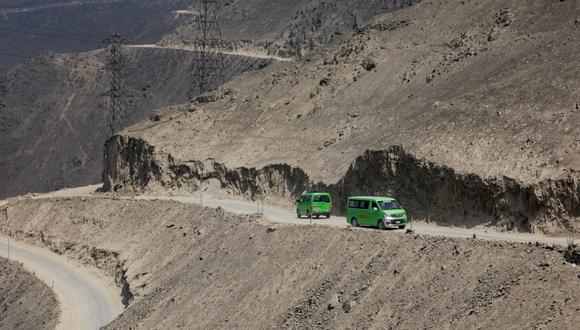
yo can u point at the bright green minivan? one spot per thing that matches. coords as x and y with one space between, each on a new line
382 212
315 204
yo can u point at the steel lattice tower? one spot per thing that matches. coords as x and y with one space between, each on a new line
208 66
116 70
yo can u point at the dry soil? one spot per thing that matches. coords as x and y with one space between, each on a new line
25 302
200 268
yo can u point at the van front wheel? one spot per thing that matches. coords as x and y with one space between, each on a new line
353 222
298 214
381 225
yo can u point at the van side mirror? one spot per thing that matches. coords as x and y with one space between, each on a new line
375 209
297 201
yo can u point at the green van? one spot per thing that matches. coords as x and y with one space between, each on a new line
381 212
315 204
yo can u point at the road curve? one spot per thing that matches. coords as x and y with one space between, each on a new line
87 300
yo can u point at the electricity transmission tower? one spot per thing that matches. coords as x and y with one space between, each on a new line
208 65
116 69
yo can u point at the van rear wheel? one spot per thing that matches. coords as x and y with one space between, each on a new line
353 222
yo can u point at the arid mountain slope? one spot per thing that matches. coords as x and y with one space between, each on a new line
25 301
486 90
33 26
294 28
54 118
199 268
63 87
282 27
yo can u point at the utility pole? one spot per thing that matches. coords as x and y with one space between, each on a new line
116 70
208 65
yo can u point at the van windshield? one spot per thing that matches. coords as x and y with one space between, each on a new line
322 199
389 205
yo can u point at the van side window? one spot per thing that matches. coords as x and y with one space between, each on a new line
305 198
353 204
363 204
374 205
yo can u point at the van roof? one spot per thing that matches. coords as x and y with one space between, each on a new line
372 197
317 193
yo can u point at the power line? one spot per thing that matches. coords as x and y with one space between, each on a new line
116 70
48 35
49 29
208 65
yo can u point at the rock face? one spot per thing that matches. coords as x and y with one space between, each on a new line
427 189
133 165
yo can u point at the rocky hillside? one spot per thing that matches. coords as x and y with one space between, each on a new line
49 146
286 28
208 269
30 27
54 118
469 91
291 28
25 301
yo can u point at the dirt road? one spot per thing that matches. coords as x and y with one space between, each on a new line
91 301
278 214
237 52
191 267
286 216
87 300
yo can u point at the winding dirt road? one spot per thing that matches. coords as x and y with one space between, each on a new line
89 301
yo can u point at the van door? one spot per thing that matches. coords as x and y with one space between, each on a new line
304 205
364 215
351 206
354 210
